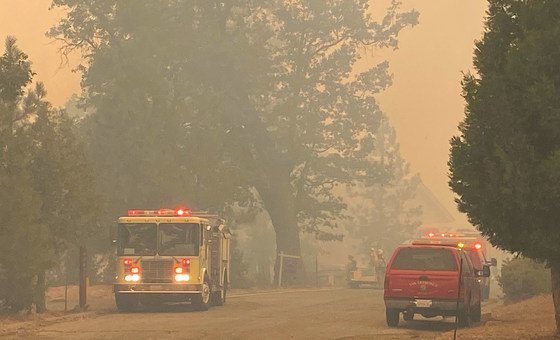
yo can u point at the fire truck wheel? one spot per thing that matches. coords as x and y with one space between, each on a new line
224 291
126 302
219 298
201 302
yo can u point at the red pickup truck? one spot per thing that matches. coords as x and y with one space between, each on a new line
429 280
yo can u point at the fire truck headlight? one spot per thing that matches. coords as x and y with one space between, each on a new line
182 277
132 278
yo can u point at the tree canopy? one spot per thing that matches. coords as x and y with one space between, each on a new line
208 102
505 164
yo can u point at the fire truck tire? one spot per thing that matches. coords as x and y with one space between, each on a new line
126 302
219 298
202 301
224 291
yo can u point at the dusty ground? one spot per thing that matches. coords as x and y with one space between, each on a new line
274 314
529 319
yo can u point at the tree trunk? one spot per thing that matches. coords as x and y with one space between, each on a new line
555 280
40 292
279 201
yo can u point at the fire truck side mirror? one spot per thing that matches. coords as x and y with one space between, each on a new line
493 262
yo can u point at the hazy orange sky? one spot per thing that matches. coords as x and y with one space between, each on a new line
424 103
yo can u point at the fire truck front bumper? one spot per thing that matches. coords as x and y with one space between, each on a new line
157 288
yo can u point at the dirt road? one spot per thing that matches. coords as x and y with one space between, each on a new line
291 314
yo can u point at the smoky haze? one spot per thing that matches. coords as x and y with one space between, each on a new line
423 104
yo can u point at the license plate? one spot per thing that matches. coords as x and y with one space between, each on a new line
156 287
423 303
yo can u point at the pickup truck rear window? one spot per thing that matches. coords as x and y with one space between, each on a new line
438 259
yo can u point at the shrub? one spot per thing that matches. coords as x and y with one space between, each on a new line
522 278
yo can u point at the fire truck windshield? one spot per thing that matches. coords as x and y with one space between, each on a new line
181 239
149 239
137 239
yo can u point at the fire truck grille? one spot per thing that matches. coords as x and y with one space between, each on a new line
157 271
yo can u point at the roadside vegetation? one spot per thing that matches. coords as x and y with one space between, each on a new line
522 278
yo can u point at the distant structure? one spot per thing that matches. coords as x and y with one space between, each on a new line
434 214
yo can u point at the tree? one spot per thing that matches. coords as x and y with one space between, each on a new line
260 94
505 164
381 213
47 200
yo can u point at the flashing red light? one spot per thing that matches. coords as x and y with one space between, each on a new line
135 270
161 212
127 262
478 245
431 235
182 212
186 262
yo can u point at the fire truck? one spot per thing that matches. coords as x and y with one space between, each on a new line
171 255
474 246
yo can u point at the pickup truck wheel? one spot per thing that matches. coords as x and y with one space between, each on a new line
464 317
202 301
392 316
476 314
126 302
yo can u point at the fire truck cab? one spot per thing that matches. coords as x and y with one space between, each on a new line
171 255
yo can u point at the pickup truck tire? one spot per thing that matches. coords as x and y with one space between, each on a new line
392 316
464 317
476 313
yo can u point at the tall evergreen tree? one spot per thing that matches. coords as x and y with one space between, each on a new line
23 240
47 202
505 164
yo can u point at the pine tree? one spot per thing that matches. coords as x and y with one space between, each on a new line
47 202
505 164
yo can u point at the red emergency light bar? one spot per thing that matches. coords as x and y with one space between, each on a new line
160 212
462 242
